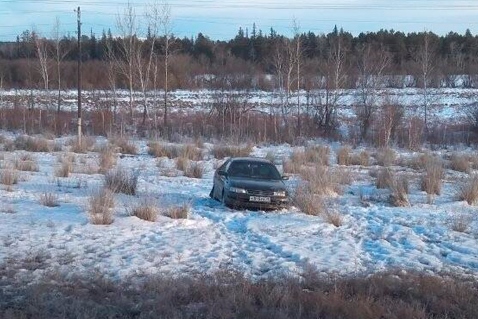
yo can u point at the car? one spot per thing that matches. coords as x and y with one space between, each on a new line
250 182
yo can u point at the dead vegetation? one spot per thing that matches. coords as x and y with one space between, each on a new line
120 180
100 207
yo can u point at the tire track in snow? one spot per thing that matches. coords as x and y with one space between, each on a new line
250 251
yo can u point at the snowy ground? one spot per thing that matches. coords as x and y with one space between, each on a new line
374 236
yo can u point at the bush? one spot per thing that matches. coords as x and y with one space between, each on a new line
322 181
385 179
468 191
101 206
49 200
182 163
121 181
87 143
399 192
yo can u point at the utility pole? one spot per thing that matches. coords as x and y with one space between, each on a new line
79 76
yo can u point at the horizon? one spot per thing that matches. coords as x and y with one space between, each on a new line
221 20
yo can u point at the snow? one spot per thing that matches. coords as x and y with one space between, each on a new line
372 238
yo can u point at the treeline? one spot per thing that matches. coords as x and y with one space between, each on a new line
251 60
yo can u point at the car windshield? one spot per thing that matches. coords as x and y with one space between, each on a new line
255 170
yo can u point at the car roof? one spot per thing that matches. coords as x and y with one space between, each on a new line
250 159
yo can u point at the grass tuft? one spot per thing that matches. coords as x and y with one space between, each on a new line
120 180
101 206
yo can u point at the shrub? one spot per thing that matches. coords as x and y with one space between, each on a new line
362 159
178 212
191 152
222 151
432 179
101 206
146 212
461 222
344 155
386 157
194 170
460 163
468 191
121 181
49 200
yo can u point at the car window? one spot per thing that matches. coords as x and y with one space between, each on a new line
253 170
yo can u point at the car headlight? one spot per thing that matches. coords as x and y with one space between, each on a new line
237 190
280 193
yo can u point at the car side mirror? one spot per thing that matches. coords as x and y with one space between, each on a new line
285 177
222 173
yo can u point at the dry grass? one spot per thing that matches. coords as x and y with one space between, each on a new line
9 177
230 294
223 151
460 222
432 179
33 144
194 170
26 163
178 212
87 144
386 157
120 180
146 211
363 159
460 163
308 202
324 181
468 191
399 192
344 155
65 168
101 206
124 145
385 179
317 154
334 217
182 163
107 159
188 151
49 200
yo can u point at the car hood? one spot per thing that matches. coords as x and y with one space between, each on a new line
256 184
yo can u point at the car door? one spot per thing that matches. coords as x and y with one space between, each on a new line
219 180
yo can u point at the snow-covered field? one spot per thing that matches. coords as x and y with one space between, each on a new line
373 237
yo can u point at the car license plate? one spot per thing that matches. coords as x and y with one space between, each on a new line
260 199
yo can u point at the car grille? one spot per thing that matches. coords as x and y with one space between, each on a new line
260 192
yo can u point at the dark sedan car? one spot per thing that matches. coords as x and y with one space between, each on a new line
250 183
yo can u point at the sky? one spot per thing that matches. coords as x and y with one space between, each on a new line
221 19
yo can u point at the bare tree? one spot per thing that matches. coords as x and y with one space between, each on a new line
166 29
371 64
60 53
425 57
297 58
332 82
128 48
